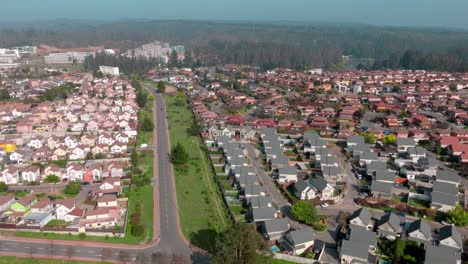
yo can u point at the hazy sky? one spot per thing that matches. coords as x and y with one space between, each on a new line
432 13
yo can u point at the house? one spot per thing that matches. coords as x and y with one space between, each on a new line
389 226
404 143
75 172
384 176
442 254
444 201
253 190
24 204
100 217
368 158
263 214
260 201
10 175
450 237
380 188
287 174
359 248
108 186
298 241
315 187
420 231
36 142
248 133
354 141
361 218
6 201
273 229
63 207
375 166
31 174
108 200
43 206
52 169
115 169
448 176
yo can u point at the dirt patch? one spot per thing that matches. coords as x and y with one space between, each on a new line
170 89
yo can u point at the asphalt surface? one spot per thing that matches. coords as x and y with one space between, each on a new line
169 243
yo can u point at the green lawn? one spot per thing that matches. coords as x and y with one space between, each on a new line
16 260
57 222
144 137
202 212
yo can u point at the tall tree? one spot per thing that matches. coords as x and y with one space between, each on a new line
305 211
240 244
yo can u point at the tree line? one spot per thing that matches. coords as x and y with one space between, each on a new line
452 60
263 44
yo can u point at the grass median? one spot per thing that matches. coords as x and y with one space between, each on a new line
201 209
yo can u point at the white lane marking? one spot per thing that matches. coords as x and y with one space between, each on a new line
90 251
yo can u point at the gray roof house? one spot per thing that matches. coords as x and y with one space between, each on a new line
444 201
273 229
262 214
445 187
376 166
253 190
404 143
379 188
448 176
354 140
420 231
359 248
450 237
361 218
442 254
367 158
384 176
389 226
287 174
260 201
361 149
246 179
298 241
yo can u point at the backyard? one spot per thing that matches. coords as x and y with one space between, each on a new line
201 209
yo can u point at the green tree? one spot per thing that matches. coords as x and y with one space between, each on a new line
389 139
179 155
453 87
73 188
240 244
4 95
147 124
399 249
305 212
134 158
458 216
3 187
142 97
195 129
369 137
52 179
161 87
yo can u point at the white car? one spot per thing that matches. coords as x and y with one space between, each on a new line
324 205
447 223
143 145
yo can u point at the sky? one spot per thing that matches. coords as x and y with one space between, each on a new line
412 13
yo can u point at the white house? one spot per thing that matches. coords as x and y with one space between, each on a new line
315 187
31 174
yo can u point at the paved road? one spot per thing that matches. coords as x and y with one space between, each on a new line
168 239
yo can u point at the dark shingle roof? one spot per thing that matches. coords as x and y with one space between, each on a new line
450 231
442 254
444 187
363 213
422 226
318 183
302 235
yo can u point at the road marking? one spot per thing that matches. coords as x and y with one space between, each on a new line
91 251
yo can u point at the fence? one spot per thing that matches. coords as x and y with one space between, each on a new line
296 259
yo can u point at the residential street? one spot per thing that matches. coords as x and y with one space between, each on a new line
168 237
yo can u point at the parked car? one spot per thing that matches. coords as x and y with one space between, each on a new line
403 214
143 145
447 223
324 205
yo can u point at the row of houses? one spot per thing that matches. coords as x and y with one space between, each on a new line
360 244
89 172
32 212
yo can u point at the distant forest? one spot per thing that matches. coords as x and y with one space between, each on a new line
268 45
